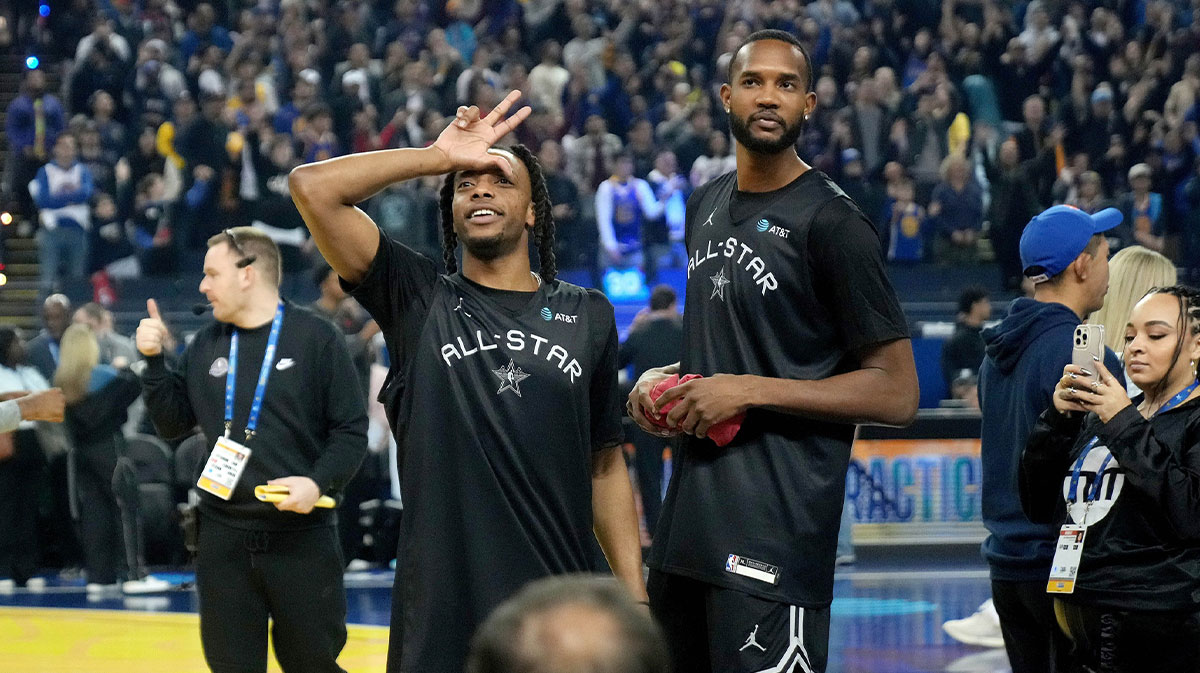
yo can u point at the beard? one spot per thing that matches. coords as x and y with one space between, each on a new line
741 132
490 248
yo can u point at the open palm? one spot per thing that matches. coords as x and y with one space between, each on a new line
467 139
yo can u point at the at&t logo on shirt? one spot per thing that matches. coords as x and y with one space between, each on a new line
765 226
549 315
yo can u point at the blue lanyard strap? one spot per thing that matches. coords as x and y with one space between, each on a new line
1178 399
1095 490
263 374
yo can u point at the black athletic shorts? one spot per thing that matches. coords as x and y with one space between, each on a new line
710 628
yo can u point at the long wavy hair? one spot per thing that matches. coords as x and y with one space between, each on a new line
543 219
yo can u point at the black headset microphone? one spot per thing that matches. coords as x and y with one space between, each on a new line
201 308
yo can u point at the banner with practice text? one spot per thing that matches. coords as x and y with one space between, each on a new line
915 491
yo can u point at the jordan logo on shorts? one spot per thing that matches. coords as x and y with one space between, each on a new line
751 640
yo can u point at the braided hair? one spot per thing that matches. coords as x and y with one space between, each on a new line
543 219
449 238
1189 321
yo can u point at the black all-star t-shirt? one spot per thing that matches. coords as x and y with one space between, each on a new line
497 405
793 287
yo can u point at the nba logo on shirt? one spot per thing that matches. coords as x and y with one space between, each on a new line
755 570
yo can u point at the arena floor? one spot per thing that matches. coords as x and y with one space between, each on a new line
887 616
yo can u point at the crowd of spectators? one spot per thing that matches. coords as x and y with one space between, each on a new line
950 124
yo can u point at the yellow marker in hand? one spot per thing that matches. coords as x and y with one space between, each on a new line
274 493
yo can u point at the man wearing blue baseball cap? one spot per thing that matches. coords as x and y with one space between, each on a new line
1064 252
1055 239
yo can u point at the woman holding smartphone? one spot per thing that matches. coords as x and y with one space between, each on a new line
1124 478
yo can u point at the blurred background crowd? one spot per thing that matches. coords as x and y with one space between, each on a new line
949 123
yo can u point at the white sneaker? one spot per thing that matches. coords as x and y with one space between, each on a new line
981 629
95 588
359 565
7 586
147 585
36 584
147 603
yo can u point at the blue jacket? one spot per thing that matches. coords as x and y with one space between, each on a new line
19 122
1026 354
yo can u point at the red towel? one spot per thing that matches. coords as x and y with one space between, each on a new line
721 434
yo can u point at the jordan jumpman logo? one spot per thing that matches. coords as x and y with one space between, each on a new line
751 640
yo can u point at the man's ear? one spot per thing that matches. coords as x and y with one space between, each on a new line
530 217
1080 266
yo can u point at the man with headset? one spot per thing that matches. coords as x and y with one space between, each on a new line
267 384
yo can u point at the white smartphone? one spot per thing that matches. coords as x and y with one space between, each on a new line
1089 347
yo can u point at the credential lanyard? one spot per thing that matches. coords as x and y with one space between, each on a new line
1094 492
1178 399
263 374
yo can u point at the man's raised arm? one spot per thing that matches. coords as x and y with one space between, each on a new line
326 193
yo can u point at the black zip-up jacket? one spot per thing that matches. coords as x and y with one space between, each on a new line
1142 547
313 421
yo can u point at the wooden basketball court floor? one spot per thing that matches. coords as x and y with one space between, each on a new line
62 640
887 617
